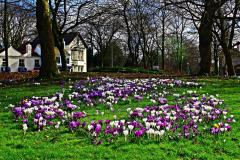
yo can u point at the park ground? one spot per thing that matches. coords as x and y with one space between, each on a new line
61 144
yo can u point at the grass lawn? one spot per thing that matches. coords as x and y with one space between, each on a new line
61 144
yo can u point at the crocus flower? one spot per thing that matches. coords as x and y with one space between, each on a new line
25 127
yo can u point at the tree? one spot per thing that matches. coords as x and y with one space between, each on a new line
101 32
226 32
48 56
205 15
67 16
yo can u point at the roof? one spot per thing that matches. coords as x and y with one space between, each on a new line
22 48
11 52
68 38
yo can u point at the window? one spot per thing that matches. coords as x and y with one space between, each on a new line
21 63
75 68
80 69
37 64
74 55
68 61
81 55
4 62
58 60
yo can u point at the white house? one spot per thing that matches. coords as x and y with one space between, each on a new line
20 62
28 55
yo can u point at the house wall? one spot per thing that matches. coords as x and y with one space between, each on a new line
12 63
29 61
77 65
13 60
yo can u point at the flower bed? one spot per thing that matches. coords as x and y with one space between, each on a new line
169 114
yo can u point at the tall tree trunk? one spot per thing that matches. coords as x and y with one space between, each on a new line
59 42
163 37
48 56
225 43
62 54
59 39
228 58
205 40
205 34
215 54
129 36
5 33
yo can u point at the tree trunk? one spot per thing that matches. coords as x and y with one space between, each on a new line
205 40
129 36
5 33
224 40
48 56
215 52
63 55
205 34
228 58
59 41
163 38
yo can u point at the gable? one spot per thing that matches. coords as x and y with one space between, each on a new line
77 41
11 52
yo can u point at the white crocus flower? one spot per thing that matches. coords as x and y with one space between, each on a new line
90 127
162 133
25 127
125 132
130 127
57 125
224 112
102 113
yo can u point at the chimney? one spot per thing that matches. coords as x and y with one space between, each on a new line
28 48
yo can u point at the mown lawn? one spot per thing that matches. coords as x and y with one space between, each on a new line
61 144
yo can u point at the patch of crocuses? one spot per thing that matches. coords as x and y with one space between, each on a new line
172 115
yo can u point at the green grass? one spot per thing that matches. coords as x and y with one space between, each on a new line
61 144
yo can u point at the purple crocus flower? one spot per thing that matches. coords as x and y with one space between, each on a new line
140 132
17 112
78 115
73 125
162 101
98 128
214 130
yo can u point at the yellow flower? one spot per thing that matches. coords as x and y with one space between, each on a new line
216 125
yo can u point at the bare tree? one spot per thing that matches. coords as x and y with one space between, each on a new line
226 32
205 15
67 16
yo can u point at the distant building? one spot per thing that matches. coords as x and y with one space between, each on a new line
28 56
235 53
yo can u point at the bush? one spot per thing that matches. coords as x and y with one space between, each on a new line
126 70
